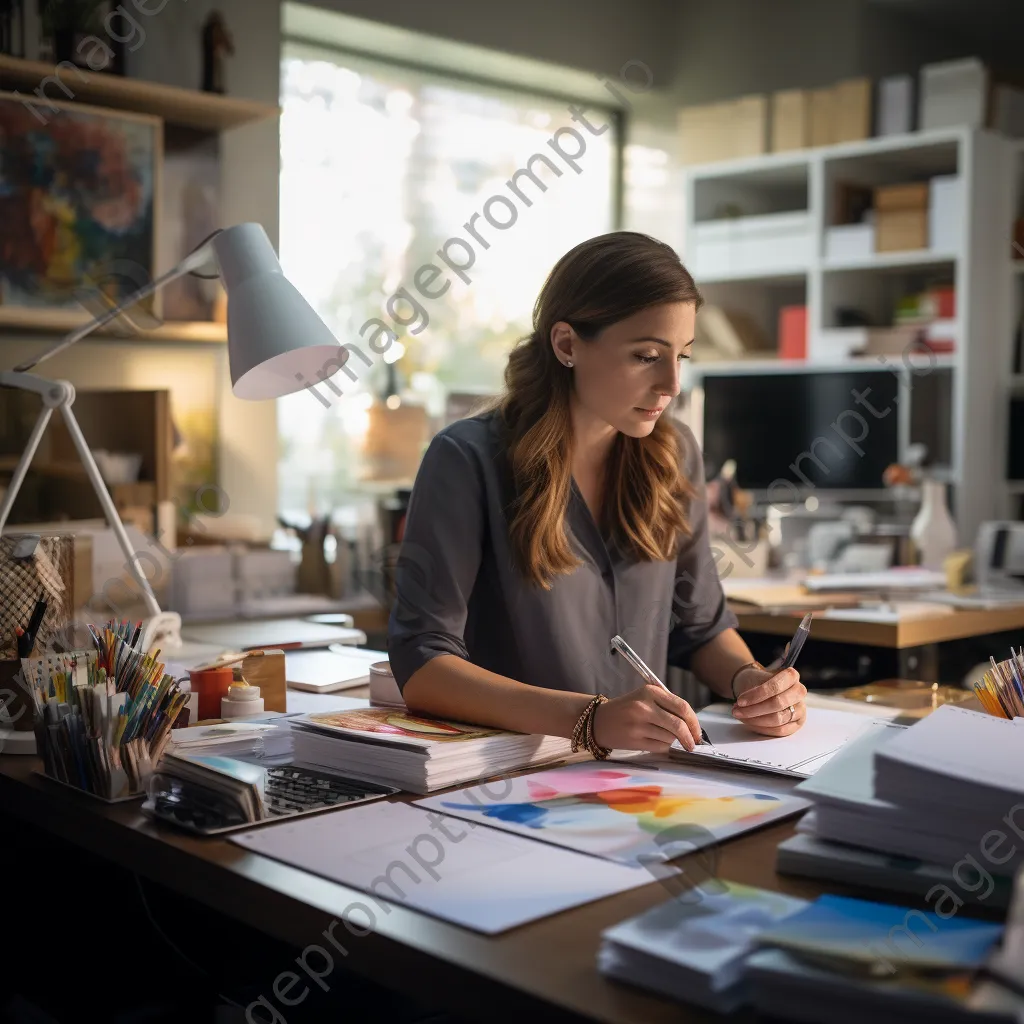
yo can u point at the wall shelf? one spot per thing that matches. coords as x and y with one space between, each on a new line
187 107
767 276
59 321
893 261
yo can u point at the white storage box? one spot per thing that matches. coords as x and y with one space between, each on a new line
953 93
835 345
750 245
945 212
850 242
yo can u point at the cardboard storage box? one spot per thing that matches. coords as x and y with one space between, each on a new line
840 112
851 109
901 217
723 131
821 114
791 120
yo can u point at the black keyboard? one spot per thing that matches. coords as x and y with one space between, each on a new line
292 790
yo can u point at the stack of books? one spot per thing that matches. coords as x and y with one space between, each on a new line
393 747
935 804
692 948
844 961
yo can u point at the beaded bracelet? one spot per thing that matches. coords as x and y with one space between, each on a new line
583 731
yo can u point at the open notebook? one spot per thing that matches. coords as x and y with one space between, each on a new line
800 755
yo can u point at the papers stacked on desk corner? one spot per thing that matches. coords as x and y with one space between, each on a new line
900 807
396 748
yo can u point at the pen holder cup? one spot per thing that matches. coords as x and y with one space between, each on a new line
15 705
210 684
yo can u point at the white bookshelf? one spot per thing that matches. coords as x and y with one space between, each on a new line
989 286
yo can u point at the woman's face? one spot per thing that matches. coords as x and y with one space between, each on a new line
629 373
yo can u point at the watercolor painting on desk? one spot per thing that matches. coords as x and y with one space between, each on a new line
626 813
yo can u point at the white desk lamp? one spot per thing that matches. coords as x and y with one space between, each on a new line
276 345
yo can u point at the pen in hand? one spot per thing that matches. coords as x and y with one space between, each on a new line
644 672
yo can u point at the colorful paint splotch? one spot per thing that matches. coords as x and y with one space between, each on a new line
626 813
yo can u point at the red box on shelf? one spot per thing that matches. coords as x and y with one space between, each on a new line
793 332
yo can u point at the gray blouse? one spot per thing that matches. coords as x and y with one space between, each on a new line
458 592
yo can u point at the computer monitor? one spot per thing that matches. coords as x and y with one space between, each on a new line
804 428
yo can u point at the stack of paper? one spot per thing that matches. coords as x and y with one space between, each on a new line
416 754
692 948
956 760
269 738
881 821
841 960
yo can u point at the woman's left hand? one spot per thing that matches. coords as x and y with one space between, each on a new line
770 703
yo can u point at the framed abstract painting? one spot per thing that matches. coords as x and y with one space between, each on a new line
80 191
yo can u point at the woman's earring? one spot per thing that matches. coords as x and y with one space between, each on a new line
568 363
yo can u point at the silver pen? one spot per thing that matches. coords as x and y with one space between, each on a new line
646 673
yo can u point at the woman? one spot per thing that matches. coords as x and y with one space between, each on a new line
572 511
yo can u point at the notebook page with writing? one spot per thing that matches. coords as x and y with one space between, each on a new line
801 754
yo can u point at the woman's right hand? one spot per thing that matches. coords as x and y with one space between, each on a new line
648 718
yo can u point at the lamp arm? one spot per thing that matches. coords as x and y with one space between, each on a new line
190 263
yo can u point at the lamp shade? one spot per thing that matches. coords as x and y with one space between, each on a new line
276 342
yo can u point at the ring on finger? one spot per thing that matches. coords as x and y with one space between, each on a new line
792 713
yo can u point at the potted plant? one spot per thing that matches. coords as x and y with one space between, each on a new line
65 21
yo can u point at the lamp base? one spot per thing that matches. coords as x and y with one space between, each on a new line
14 742
162 630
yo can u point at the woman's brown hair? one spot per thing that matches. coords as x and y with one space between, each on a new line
598 283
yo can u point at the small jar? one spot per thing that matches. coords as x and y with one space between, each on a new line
242 700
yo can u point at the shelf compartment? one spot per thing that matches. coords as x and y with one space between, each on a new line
749 330
59 321
186 107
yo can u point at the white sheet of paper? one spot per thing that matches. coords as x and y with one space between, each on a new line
802 753
477 877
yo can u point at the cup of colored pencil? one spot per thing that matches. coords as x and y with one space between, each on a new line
103 715
1001 689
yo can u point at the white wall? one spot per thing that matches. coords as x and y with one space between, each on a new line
593 35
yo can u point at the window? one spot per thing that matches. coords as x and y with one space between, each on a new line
381 167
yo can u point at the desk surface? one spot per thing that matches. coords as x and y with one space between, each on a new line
546 969
954 625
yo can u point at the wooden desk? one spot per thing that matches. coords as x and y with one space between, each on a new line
546 969
956 625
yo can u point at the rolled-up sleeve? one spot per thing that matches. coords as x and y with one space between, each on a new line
438 560
699 609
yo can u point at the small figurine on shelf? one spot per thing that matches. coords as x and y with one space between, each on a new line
217 44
